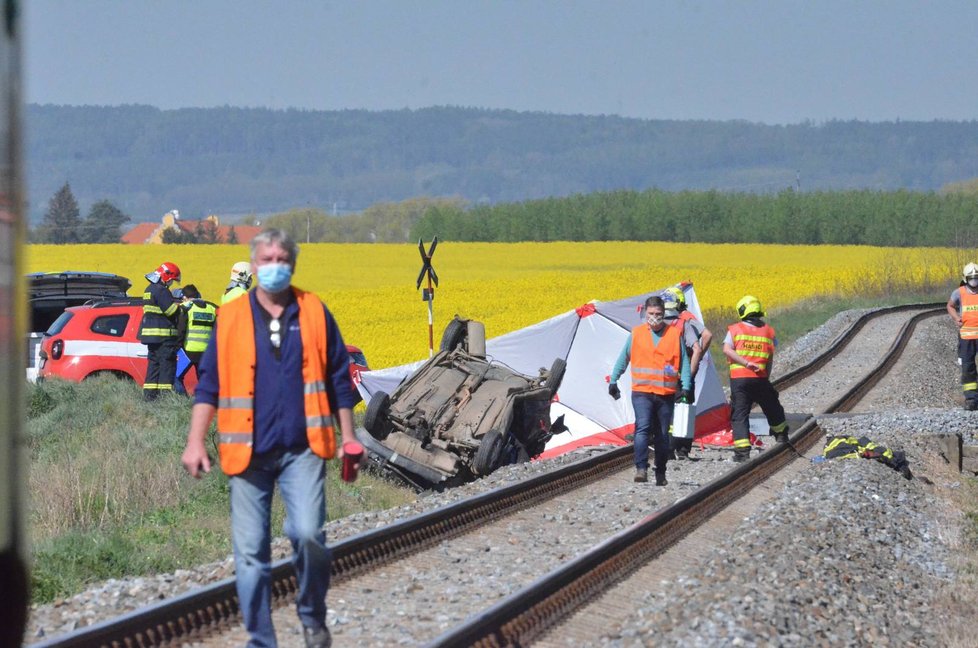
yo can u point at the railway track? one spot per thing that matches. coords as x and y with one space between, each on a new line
210 611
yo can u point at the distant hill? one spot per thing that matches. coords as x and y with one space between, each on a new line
239 161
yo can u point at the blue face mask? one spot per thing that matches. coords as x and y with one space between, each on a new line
275 277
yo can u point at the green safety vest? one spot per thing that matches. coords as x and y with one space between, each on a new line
233 293
201 316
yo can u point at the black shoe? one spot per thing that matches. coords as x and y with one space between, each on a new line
682 453
641 475
317 637
971 405
741 457
781 437
660 478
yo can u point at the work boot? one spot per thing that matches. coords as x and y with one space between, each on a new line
971 405
740 456
781 437
682 452
317 637
660 478
641 475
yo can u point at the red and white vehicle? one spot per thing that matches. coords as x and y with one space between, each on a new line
101 338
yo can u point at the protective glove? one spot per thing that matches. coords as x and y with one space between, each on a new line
687 396
613 391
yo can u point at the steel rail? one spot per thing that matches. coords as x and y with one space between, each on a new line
529 613
201 612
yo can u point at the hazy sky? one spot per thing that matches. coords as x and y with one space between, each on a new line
772 61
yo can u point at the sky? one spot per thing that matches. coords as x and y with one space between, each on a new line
769 61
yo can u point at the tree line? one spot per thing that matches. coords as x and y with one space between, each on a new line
883 218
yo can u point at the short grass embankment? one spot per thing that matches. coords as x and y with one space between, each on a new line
109 497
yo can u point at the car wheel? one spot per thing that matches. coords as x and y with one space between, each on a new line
454 334
488 454
377 410
557 370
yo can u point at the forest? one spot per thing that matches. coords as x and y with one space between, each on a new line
235 161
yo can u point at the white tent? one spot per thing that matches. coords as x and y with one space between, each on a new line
590 339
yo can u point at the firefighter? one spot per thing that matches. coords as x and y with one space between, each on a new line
963 309
659 367
158 330
749 347
696 338
201 317
240 281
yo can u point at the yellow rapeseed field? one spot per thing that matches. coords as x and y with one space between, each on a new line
371 288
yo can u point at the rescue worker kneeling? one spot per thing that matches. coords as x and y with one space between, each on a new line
659 365
749 347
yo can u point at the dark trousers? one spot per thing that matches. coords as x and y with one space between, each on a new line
744 394
161 367
967 349
653 416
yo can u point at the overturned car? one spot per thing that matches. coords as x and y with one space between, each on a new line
461 415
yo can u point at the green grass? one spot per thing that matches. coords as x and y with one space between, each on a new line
109 497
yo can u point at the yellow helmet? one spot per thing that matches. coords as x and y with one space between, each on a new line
970 270
674 298
748 306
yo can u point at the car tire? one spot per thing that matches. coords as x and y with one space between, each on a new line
377 410
475 339
557 370
488 454
454 334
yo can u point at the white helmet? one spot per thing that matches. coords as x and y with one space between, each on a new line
970 270
241 272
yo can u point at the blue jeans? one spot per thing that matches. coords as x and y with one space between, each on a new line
653 415
301 477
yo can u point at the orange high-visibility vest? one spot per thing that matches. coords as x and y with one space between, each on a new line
649 361
969 314
236 380
754 343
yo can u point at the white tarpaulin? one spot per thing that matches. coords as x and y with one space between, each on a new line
590 339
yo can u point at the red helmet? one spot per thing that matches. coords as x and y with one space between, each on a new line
168 272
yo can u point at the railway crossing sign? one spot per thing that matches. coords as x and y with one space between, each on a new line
428 294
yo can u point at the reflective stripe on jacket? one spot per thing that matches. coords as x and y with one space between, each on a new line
236 380
201 316
655 367
753 343
160 311
969 314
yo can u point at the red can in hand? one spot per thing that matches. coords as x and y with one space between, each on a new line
352 453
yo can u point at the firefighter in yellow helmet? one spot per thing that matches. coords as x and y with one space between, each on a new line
963 309
240 281
749 347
